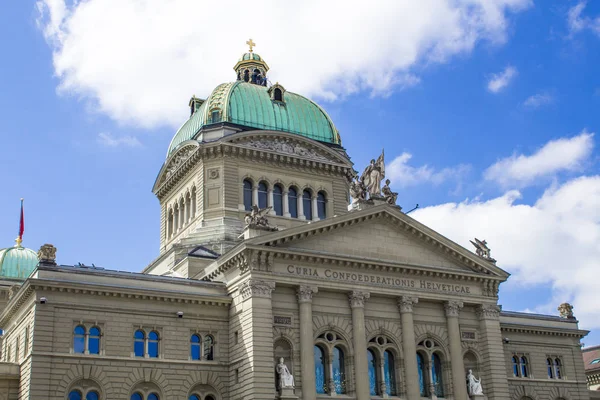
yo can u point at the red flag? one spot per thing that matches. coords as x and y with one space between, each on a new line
22 223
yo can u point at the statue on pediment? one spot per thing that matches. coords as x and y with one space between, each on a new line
390 197
566 311
257 218
373 175
482 249
357 190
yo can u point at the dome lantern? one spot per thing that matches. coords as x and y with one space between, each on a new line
251 67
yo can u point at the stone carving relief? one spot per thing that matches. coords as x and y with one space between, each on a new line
452 308
257 219
257 288
305 293
180 157
405 303
358 298
482 249
47 254
367 188
213 173
488 311
474 385
286 146
566 311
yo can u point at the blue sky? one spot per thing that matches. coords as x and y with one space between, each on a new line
487 115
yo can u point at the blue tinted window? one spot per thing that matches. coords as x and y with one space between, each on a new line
436 372
138 343
319 370
321 205
75 395
153 396
94 341
247 195
194 397
79 339
515 366
372 372
339 374
550 368
136 396
307 204
92 396
557 367
153 345
208 348
278 200
524 372
195 347
262 195
421 369
293 202
389 369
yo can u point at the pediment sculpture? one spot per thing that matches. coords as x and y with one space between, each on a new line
367 187
482 249
257 219
286 146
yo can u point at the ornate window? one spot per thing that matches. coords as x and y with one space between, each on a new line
79 339
293 202
277 95
373 378
382 367
307 204
208 347
202 347
84 389
146 345
202 392
195 343
139 395
389 371
247 194
524 367
78 395
520 366
262 195
430 363
321 205
278 199
554 366
330 364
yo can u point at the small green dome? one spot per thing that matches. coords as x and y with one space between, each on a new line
17 262
252 106
250 56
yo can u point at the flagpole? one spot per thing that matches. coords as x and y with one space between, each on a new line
19 239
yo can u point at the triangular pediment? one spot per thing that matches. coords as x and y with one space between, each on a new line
381 234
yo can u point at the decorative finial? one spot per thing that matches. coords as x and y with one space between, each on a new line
18 241
47 254
251 44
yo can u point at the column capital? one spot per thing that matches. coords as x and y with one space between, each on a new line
257 288
305 293
488 311
453 308
358 298
405 303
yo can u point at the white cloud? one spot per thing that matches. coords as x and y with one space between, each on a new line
140 61
402 175
577 23
538 100
107 139
501 80
555 241
565 154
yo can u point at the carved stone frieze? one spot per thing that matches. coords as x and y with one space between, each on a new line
405 303
358 298
453 308
257 288
286 146
305 293
213 173
180 157
488 311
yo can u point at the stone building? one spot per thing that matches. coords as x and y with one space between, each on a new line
591 360
272 282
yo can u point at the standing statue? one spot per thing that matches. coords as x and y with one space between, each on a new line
373 175
474 385
286 379
390 197
357 190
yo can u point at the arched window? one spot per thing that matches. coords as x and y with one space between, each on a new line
137 396
209 397
75 395
319 370
153 338
194 202
293 202
139 338
194 397
372 362
550 368
94 340
436 375
93 395
208 348
153 396
338 369
278 199
247 195
321 205
516 370
278 95
246 76
262 195
195 347
524 367
389 371
79 339
188 207
307 204
170 224
421 369
557 371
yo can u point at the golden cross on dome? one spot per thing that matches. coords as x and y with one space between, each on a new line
251 44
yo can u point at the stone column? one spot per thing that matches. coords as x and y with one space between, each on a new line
300 205
409 347
493 373
270 201
315 216
255 194
361 368
307 355
458 369
286 205
241 205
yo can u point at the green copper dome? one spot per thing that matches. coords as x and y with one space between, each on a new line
253 106
17 262
250 56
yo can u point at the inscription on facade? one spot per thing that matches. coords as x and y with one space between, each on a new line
360 277
468 335
279 320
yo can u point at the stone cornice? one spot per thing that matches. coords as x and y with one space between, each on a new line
23 295
488 311
540 330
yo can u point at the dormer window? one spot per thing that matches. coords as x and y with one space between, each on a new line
215 116
195 104
277 92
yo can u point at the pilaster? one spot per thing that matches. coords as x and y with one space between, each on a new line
409 347
307 355
361 369
493 371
